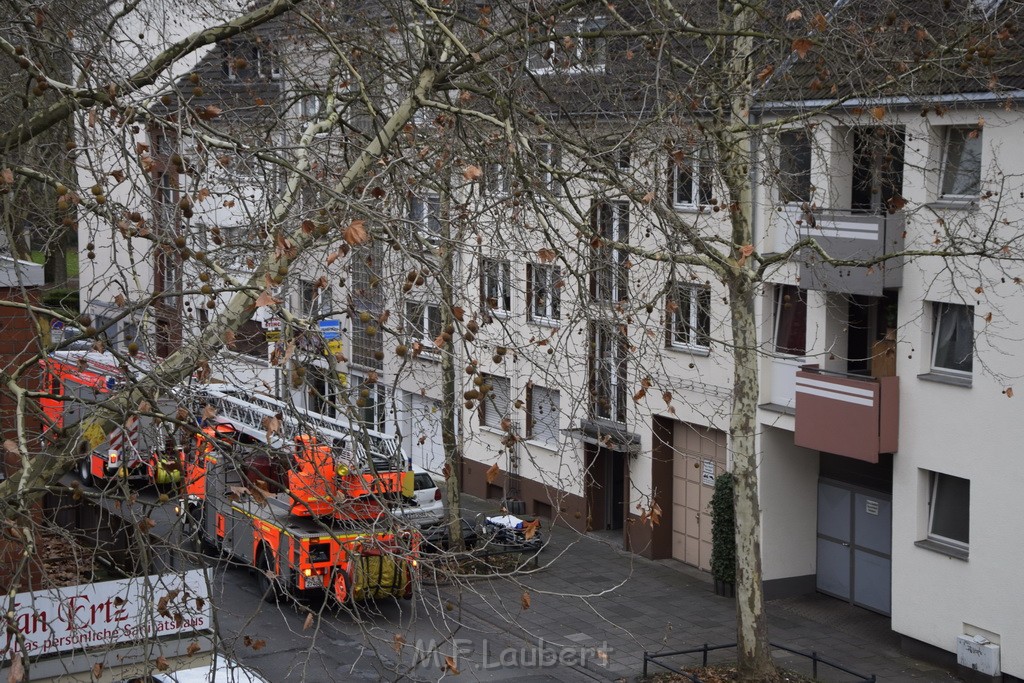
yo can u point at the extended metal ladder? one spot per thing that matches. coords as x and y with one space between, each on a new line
252 414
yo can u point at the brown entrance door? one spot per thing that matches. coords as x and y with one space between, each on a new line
606 488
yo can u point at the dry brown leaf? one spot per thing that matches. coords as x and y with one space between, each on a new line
819 22
144 407
355 234
193 648
458 313
439 342
801 46
531 528
1009 392
450 666
229 338
7 176
266 299
397 642
10 446
308 623
655 514
202 194
524 600
97 670
878 113
120 300
209 412
472 172
546 255
795 15
988 317
639 395
493 472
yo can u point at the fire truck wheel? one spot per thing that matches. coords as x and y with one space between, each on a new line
84 473
269 587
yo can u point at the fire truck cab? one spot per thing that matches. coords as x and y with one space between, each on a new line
75 382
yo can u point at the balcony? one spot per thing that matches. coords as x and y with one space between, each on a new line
850 415
845 235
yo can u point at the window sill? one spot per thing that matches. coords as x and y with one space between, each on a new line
943 378
690 350
778 408
545 322
964 204
256 360
688 208
944 549
546 445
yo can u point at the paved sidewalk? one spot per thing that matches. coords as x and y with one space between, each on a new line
591 596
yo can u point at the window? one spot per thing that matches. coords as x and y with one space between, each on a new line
495 293
961 163
610 265
311 106
953 338
543 283
949 510
425 214
370 403
316 302
608 348
790 321
423 324
365 290
689 317
549 159
542 414
574 47
689 180
494 405
497 180
268 63
794 166
169 268
321 391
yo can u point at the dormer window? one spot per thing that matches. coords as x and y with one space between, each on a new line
573 47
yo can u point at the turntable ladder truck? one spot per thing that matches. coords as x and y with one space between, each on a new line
329 529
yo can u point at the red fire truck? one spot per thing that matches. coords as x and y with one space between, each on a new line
301 497
141 448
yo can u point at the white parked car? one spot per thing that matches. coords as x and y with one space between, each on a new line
429 503
222 670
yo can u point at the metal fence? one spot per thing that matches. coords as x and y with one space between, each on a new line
813 656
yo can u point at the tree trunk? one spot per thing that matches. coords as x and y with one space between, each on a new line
449 395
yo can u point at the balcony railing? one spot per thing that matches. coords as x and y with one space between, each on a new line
843 235
849 415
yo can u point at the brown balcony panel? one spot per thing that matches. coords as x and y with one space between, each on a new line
854 237
847 415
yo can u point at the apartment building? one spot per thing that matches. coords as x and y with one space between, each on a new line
599 381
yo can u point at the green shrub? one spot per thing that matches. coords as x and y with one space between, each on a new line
723 530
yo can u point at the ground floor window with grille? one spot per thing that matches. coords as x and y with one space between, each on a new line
542 414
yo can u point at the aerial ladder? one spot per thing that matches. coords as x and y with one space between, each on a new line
319 522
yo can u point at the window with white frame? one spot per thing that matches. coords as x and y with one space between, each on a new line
315 299
953 338
690 179
268 63
497 180
949 510
322 391
495 404
689 317
542 414
549 160
425 214
369 402
576 46
609 274
495 289
794 166
790 321
423 324
961 163
608 351
543 284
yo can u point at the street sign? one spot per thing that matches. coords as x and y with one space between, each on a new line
707 475
330 329
272 323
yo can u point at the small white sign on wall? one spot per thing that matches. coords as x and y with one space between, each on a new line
707 475
871 507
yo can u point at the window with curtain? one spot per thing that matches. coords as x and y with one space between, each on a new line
790 320
953 338
542 414
961 163
494 407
